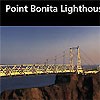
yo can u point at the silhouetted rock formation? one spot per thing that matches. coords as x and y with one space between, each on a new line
66 87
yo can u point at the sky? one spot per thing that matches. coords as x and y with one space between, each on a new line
36 44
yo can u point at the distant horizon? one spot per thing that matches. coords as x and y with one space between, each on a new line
33 44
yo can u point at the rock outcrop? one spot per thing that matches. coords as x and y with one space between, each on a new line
66 87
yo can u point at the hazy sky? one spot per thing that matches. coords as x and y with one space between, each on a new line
34 44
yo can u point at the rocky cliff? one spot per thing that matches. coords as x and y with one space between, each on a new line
66 87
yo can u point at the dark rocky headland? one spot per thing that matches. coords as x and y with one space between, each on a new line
66 87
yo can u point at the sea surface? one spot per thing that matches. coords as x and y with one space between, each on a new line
9 83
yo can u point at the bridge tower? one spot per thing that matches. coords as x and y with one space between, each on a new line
71 60
79 67
78 58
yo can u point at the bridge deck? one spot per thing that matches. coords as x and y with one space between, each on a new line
31 69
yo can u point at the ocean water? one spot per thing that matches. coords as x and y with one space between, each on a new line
9 83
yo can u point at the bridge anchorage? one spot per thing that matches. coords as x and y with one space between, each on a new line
74 66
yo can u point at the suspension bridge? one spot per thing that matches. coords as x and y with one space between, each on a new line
74 66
